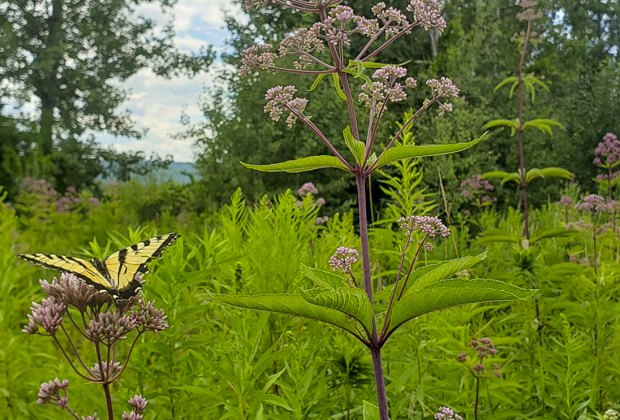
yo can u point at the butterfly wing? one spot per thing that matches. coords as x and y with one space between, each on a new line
123 265
82 269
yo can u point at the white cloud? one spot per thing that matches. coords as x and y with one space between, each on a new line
157 104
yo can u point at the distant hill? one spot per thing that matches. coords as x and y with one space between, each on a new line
179 172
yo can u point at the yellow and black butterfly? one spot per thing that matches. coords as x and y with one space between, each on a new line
115 274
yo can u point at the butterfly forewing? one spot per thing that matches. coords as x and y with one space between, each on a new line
124 264
82 269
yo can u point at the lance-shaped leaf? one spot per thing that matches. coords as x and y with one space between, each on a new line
323 278
357 148
551 233
497 235
454 292
350 301
503 176
509 80
397 153
512 124
370 411
289 304
444 270
306 164
543 124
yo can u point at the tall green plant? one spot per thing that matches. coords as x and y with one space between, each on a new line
341 300
521 83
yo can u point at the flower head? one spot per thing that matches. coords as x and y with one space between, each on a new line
257 56
431 226
607 152
280 99
149 318
110 371
446 413
307 188
109 327
386 86
443 88
50 392
566 201
595 203
304 43
343 259
484 347
73 291
427 13
48 314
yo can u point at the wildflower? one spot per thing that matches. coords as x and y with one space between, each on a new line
257 56
484 347
608 150
138 403
443 88
303 43
428 14
109 327
611 414
110 371
446 413
386 87
281 99
49 393
307 188
48 314
566 201
595 203
343 259
320 202
149 318
72 291
462 357
367 27
321 220
431 226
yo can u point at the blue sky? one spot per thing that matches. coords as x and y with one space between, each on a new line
156 103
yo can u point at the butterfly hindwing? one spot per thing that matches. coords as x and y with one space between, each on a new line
126 263
82 269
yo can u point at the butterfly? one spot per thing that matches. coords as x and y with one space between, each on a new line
115 274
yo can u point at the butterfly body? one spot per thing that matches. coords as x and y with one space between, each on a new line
115 274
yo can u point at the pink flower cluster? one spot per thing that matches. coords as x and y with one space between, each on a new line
595 203
427 13
431 226
257 56
607 152
446 413
386 87
477 188
281 99
343 259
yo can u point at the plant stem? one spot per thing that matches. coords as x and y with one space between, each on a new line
477 397
105 373
108 400
521 131
380 383
363 224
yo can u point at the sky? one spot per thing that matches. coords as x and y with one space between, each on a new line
157 104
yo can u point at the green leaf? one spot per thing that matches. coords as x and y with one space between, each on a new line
537 81
505 82
310 163
397 153
449 293
512 124
323 278
316 82
357 148
370 411
557 173
543 124
496 235
495 175
289 304
339 91
551 233
443 270
350 301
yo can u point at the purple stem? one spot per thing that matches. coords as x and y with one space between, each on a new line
380 382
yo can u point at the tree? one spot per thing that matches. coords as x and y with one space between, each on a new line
72 55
